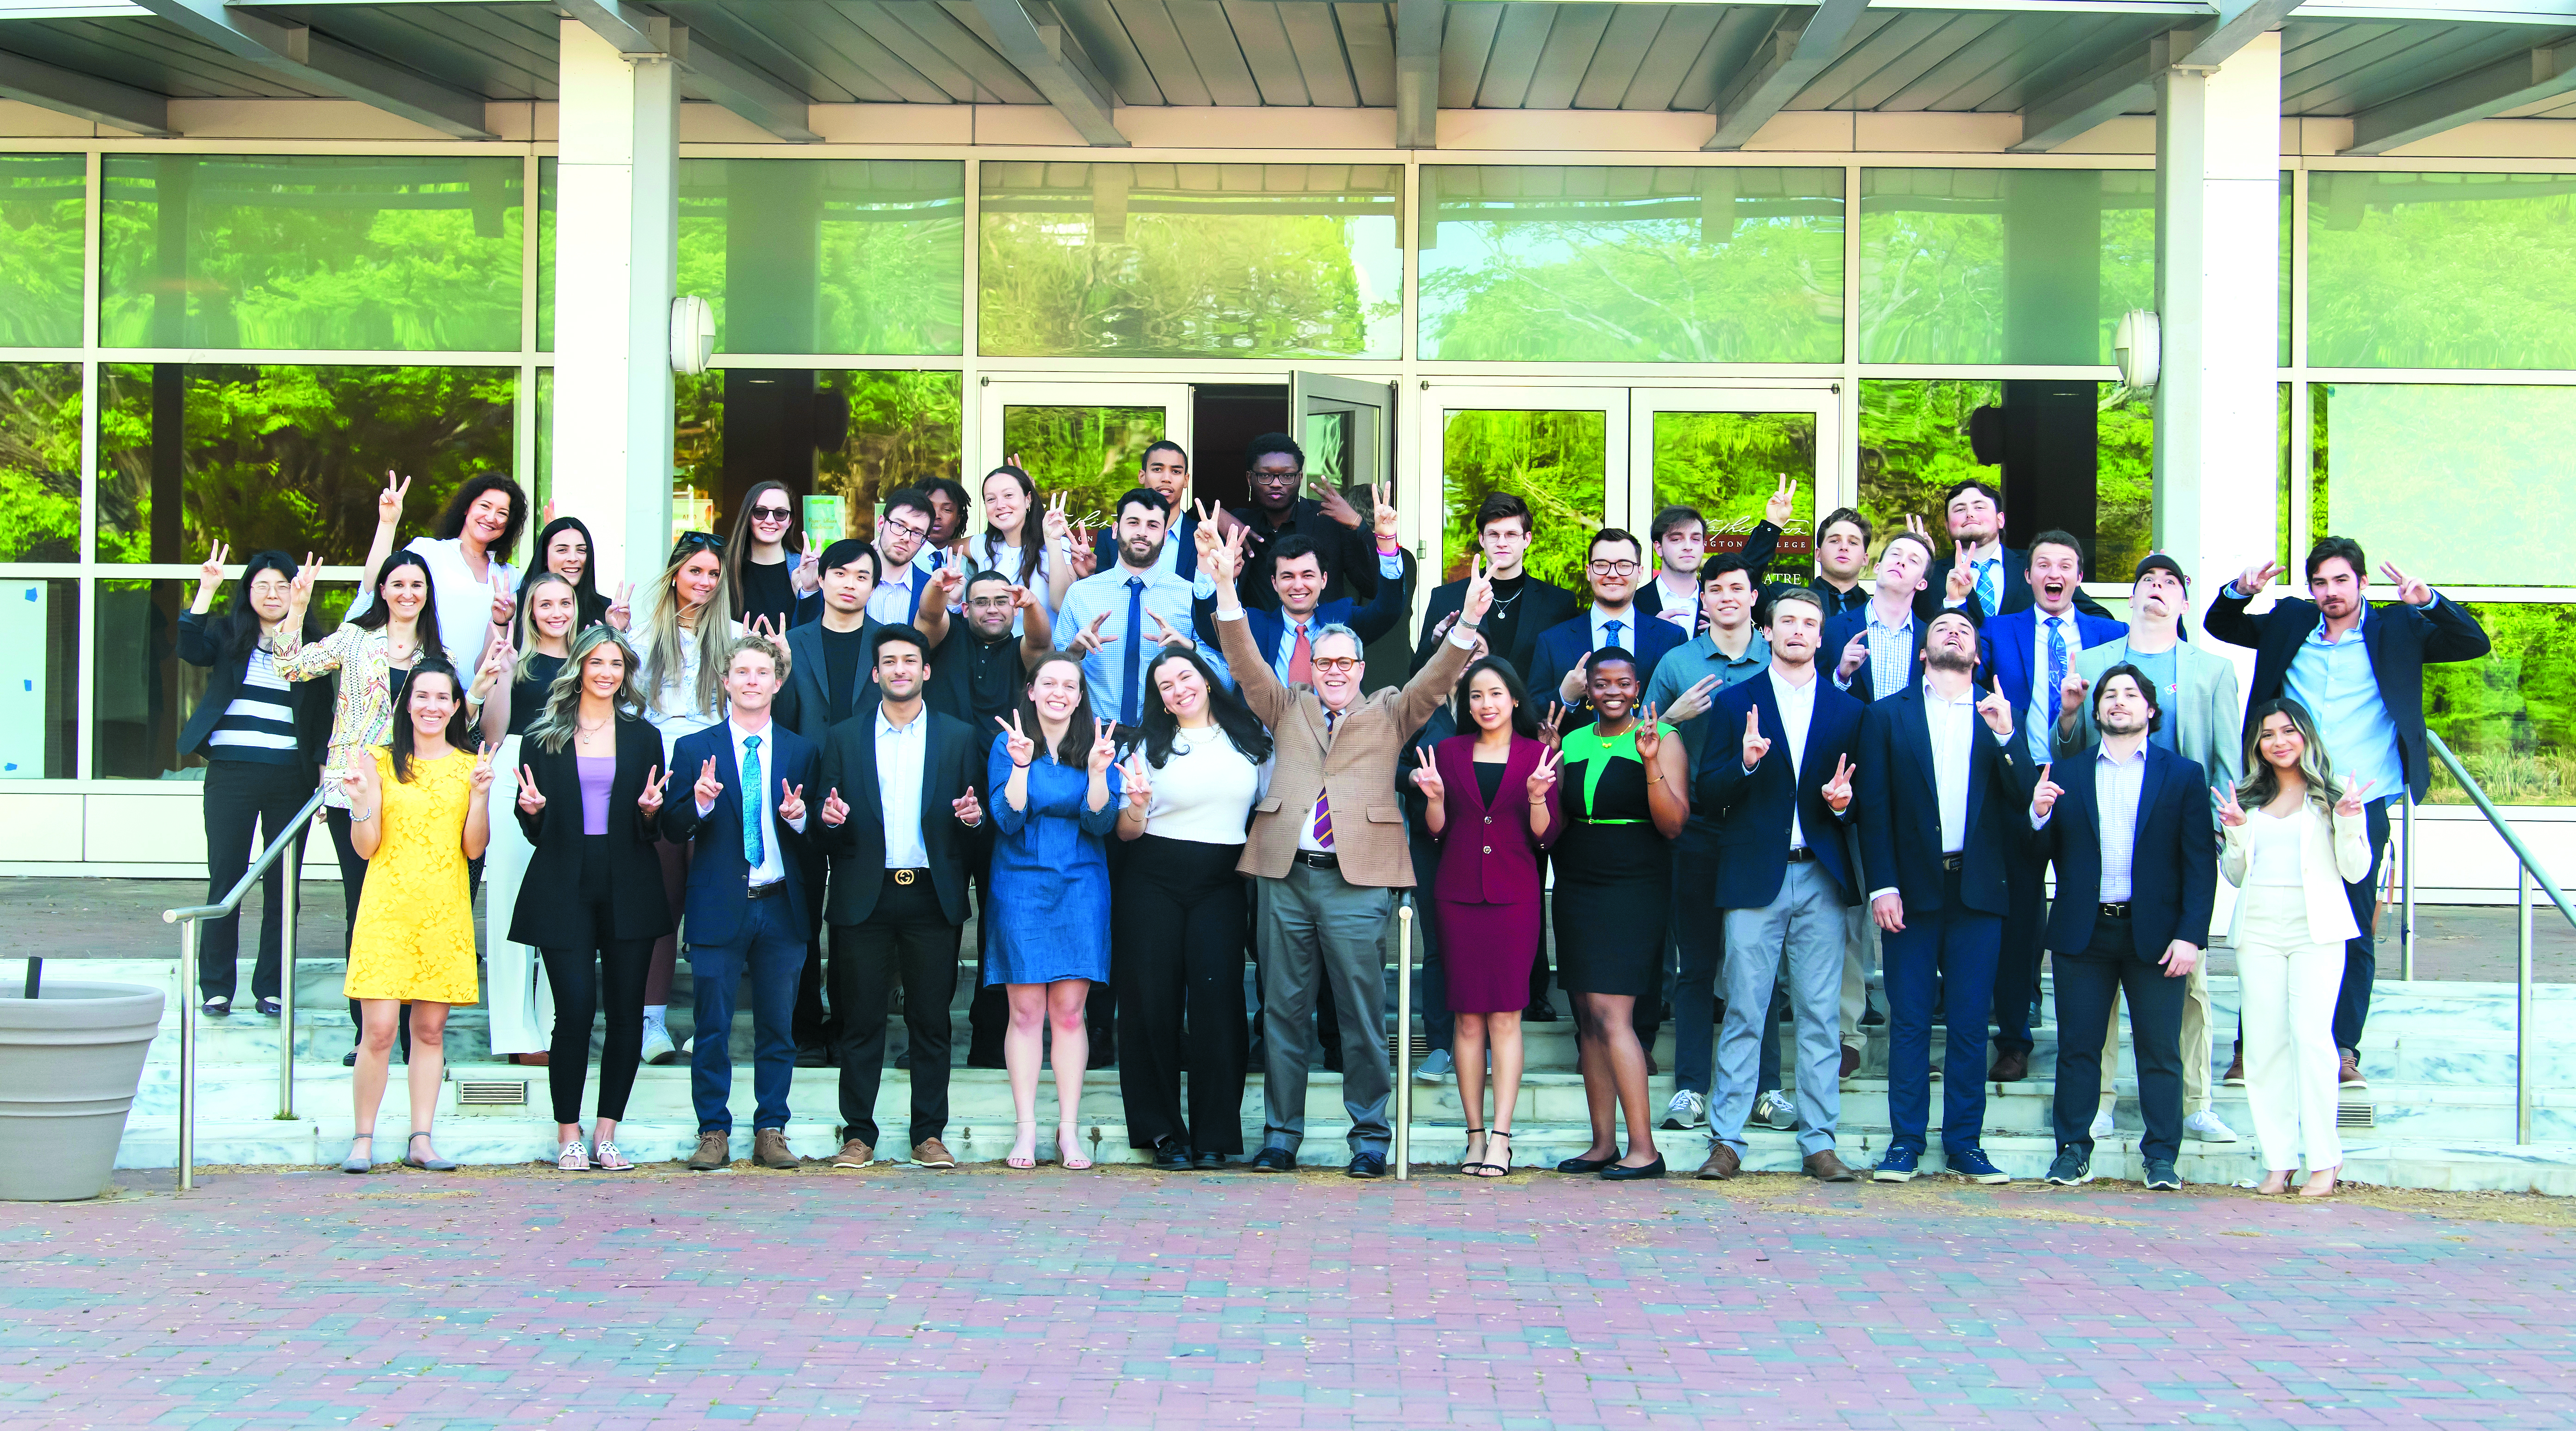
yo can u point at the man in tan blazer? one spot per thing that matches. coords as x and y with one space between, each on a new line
1327 850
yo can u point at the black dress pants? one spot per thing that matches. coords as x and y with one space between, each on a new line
1176 961
906 937
988 1012
248 803
2017 966
612 975
811 1025
2085 984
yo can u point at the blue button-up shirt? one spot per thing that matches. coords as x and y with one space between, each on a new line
1390 567
2117 787
1104 672
2334 680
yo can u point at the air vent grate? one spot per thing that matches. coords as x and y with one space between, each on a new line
491 1093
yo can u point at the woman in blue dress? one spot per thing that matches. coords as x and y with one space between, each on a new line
1057 784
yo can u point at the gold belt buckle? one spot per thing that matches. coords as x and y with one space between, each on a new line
903 876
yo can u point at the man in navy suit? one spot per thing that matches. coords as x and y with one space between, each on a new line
2367 696
1524 606
1877 646
1615 562
1286 637
745 828
2030 651
2137 869
1981 574
1778 796
1166 473
1942 787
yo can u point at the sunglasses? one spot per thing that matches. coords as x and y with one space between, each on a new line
693 542
772 514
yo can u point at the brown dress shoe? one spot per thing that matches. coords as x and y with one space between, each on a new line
932 1153
1824 1167
715 1150
1722 1163
769 1150
2349 1075
1851 1060
853 1154
2234 1077
2010 1067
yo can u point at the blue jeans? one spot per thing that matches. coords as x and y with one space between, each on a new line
1949 954
775 955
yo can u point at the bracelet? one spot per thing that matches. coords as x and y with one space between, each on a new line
1019 765
357 819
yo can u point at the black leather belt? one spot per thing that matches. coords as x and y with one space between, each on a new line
910 876
1801 855
770 890
1953 862
2115 910
1317 860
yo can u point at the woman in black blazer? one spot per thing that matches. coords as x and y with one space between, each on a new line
590 784
263 739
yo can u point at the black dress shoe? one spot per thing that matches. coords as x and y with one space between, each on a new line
985 1060
1584 1165
1207 1160
1539 1012
1366 1165
349 1059
1273 1160
813 1055
1617 1174
1172 1155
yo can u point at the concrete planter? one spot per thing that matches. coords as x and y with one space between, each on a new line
69 1064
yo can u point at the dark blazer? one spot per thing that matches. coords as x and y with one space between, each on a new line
311 699
719 880
1751 812
550 914
2402 640
1841 628
1541 607
1900 807
1759 544
1382 612
2173 870
2015 576
1562 647
2012 652
953 760
1487 854
803 704
1349 554
1185 547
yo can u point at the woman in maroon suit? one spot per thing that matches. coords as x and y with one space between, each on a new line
1490 799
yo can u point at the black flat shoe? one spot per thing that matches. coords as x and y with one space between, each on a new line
1584 1165
1274 1160
271 1007
1617 1174
1207 1160
216 1008
1173 1156
349 1059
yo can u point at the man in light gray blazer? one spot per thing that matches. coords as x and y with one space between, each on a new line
2203 719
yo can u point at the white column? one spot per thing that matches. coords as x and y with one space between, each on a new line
616 260
2218 164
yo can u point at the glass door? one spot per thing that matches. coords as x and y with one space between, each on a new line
1724 451
1563 450
1346 425
1087 439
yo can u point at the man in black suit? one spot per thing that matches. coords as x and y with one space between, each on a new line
2137 869
1991 578
1941 801
2368 700
903 840
1165 472
1275 469
1524 606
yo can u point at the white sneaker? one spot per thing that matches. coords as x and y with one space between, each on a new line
1774 1110
1687 1110
2205 1126
657 1044
1438 1068
2102 1122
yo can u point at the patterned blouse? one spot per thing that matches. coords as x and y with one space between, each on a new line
362 716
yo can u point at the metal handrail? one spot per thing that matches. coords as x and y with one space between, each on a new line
2527 872
280 847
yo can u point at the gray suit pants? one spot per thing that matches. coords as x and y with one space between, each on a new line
1805 921
1318 932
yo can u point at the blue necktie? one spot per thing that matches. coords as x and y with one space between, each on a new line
1129 713
1610 631
913 612
1986 577
751 802
2056 667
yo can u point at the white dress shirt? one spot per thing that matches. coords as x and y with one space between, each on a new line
1954 736
902 753
1626 637
1797 702
760 804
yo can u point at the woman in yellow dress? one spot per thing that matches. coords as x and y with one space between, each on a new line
416 815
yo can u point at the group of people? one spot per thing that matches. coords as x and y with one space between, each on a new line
1132 756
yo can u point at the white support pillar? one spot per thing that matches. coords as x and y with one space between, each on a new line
616 260
2218 165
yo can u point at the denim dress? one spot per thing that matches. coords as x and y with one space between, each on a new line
1049 911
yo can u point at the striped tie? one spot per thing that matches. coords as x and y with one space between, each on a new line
1324 800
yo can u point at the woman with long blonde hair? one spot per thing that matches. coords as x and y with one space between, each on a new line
519 1007
684 643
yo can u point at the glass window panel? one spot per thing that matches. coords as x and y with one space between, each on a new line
1091 454
145 692
2002 265
867 432
2412 270
2289 196
827 255
285 457
40 438
1914 446
1558 462
39 677
1230 260
1727 464
311 251
2512 716
41 202
546 190
1585 263
2500 467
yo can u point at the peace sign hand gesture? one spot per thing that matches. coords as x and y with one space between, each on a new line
1383 513
709 789
791 802
1838 791
1166 636
531 799
2252 580
1756 744
2230 814
621 614
1479 597
1089 638
1104 746
211 574
1551 731
481 776
1330 500
1961 582
1784 502
2350 805
1690 705
835 809
1426 777
806 577
299 593
1022 749
1543 779
389 502
1650 738
1057 526
1140 783
2409 589
656 781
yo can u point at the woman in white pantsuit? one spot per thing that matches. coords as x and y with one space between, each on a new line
2291 854
520 1006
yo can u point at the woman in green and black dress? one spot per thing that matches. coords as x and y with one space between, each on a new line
1626 792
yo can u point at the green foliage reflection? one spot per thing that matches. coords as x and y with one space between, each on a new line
1555 461
1726 465
2512 716
2440 270
40 462
40 249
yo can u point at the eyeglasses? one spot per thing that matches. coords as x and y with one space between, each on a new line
1614 568
916 533
771 514
1336 664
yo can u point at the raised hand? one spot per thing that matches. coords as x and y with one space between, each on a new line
1838 791
299 593
968 810
1756 744
1426 777
1855 652
1224 561
2350 805
2409 590
1139 783
1650 739
947 583
1329 499
389 502
835 809
1382 509
1479 597
2252 580
1783 503
709 789
621 615
531 799
2230 813
1998 714
791 802
2043 796
211 574
657 781
1543 779
1104 746
760 626
1551 731
480 777
1690 705
807 577
1022 749
1165 635
1914 524
1078 554
502 604
358 783
1089 638
1961 583
2070 693
1054 523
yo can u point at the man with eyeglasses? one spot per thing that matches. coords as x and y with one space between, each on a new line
1275 470
1615 563
903 531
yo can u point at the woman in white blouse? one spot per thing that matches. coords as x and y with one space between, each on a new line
1020 541
2293 838
1177 913
474 585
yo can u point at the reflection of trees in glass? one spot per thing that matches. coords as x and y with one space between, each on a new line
1555 461
311 252
1633 265
40 462
1726 464
2002 266
2124 486
827 256
2495 456
2511 716
904 427
40 248
1093 454
287 457
1914 444
697 446
2441 270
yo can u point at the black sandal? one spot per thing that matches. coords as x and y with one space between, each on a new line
1495 1170
1465 1168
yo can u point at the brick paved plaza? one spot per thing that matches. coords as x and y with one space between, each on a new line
1123 1298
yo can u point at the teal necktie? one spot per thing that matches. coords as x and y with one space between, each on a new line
751 801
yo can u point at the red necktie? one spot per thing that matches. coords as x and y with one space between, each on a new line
1301 660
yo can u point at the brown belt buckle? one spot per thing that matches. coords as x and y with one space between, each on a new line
903 876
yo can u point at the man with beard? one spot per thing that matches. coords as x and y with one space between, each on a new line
1994 577
1116 619
1275 469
